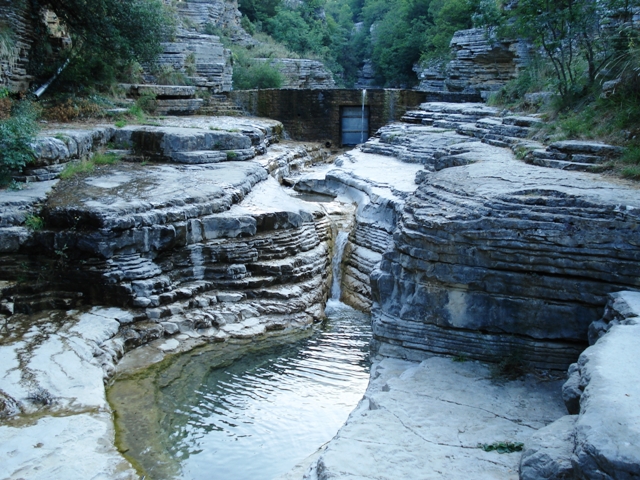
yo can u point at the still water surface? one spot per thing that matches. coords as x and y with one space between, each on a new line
255 417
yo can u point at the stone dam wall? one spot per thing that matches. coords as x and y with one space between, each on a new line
314 115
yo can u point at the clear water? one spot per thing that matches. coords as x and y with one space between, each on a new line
253 418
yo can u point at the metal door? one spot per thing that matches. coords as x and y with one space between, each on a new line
354 125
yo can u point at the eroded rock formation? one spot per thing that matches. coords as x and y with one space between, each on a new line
481 65
171 240
493 258
304 74
600 439
194 240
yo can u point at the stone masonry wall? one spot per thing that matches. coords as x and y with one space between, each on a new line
315 114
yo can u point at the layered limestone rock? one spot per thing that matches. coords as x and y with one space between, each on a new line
305 74
191 253
167 239
366 76
13 69
205 15
497 259
200 57
491 258
601 438
379 186
481 64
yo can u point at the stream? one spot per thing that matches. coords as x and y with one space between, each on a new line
207 414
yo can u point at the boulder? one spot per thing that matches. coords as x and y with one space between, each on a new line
600 440
548 452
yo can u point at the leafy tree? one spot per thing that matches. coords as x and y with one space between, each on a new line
106 33
16 135
447 16
578 37
259 10
249 73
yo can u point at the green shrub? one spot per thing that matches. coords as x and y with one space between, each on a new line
502 447
105 158
34 222
147 103
8 50
167 75
74 168
17 133
251 73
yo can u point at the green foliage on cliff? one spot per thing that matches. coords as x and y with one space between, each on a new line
405 31
8 50
106 35
393 34
251 73
578 37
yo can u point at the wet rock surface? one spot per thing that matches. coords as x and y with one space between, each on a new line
378 185
52 371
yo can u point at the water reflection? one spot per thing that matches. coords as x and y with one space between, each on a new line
261 414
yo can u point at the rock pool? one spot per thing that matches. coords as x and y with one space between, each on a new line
231 414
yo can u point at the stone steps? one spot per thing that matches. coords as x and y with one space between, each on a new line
575 155
486 124
220 105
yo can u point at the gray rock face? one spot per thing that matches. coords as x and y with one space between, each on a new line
13 71
366 76
222 14
301 73
171 241
481 64
508 264
495 258
486 123
379 186
548 452
201 57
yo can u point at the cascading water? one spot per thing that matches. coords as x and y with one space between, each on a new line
247 414
336 264
364 100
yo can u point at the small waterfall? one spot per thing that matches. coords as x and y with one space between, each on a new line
364 99
336 263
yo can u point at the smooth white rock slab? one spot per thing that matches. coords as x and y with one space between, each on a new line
72 447
426 420
70 436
